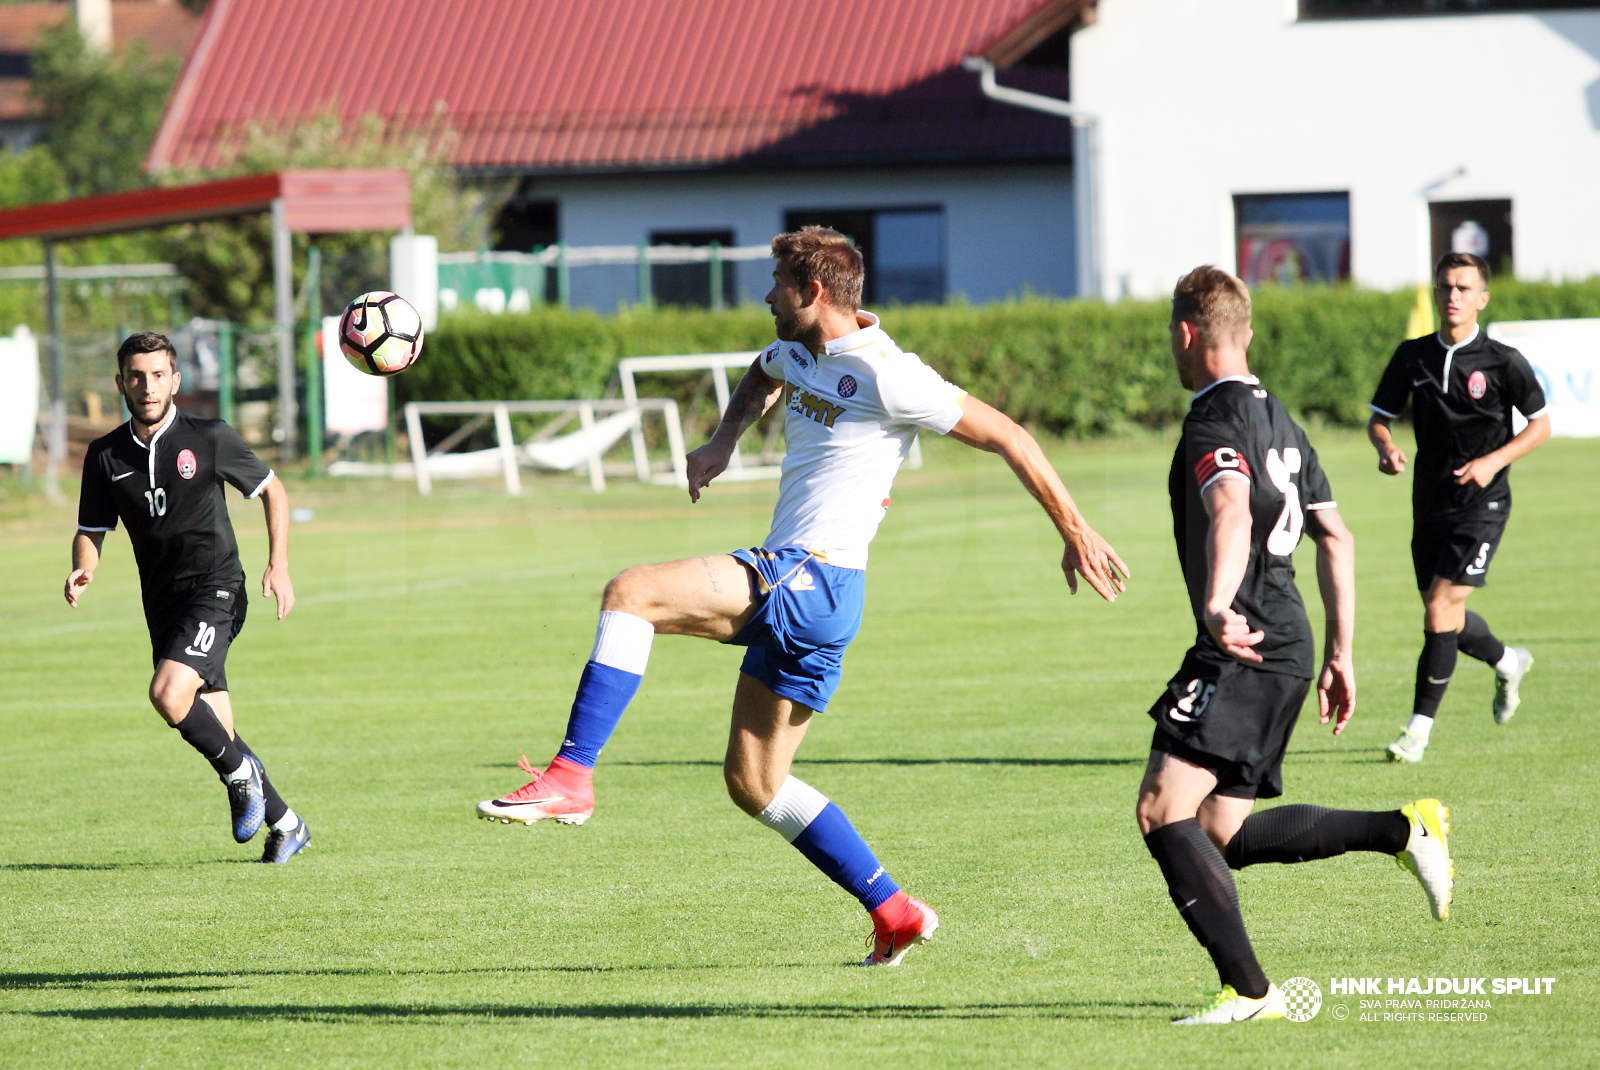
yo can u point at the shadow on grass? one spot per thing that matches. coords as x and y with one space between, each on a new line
139 980
335 1013
74 867
690 762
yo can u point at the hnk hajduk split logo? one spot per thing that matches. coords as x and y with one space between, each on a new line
1302 999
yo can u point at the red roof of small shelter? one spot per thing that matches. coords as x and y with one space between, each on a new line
558 85
316 202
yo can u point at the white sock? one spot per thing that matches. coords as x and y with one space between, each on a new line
796 805
622 641
285 823
241 773
1420 725
1508 662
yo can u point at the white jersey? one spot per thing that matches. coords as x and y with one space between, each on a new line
852 414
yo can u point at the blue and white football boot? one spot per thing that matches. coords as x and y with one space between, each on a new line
284 844
247 801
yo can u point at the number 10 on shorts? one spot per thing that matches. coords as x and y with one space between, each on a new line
203 639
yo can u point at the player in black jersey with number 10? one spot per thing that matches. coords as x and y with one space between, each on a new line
161 475
1462 386
1244 484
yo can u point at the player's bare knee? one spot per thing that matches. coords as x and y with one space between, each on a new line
745 788
171 699
628 592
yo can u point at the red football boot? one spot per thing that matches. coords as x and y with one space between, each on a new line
564 792
898 925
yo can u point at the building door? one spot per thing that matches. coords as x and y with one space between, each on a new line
1479 227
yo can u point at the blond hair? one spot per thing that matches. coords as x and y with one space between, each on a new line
1214 301
826 256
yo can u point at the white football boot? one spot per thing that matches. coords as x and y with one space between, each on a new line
1409 746
1427 853
1228 1007
1506 699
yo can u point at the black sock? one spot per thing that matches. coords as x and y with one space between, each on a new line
1475 640
1302 833
202 731
1203 891
1435 666
276 807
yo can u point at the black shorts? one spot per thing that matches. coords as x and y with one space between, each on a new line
1458 547
1230 719
197 630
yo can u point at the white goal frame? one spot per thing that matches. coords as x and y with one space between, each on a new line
501 412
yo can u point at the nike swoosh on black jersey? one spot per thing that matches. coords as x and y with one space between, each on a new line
124 475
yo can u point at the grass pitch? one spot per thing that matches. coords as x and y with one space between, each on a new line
987 740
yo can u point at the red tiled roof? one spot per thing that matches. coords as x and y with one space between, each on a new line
165 29
568 85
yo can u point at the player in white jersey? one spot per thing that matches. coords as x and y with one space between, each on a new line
855 404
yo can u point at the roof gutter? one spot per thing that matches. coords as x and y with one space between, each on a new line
1088 222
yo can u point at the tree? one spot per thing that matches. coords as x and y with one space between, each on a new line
102 110
229 262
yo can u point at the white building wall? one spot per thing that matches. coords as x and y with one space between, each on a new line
1203 99
1008 230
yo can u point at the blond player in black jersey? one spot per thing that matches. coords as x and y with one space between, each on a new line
1245 483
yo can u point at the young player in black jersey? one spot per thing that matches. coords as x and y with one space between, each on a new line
1244 484
1462 386
161 474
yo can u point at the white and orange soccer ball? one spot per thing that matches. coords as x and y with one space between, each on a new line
380 333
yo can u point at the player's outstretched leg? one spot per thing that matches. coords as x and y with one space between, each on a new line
200 728
1415 835
767 730
1435 665
1510 663
564 791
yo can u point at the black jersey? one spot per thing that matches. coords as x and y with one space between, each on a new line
1461 401
169 494
1235 427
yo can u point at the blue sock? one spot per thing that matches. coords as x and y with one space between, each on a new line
603 693
610 680
834 846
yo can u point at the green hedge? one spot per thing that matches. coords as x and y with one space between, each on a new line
1070 367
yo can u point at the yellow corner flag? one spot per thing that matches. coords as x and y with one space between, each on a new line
1421 321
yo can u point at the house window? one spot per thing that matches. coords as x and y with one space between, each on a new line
1363 9
903 249
1292 237
1479 227
689 285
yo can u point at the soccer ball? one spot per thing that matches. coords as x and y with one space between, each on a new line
380 333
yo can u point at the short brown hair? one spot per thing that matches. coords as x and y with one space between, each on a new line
145 342
1458 260
823 255
1214 301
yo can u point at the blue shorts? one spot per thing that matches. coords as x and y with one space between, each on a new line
808 612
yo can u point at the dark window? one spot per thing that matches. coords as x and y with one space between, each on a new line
1292 237
1054 53
903 249
690 284
1481 227
525 224
15 65
1362 9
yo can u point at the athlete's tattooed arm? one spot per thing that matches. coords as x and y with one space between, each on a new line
750 400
